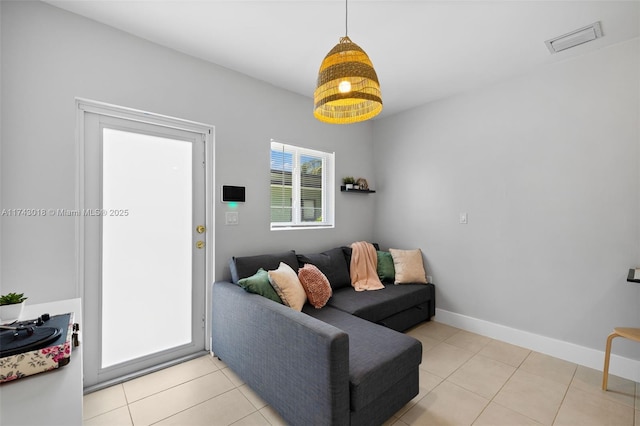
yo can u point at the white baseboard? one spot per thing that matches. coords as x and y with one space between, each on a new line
593 358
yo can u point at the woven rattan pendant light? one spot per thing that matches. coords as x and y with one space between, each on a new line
348 90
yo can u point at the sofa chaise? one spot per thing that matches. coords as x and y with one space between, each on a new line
344 364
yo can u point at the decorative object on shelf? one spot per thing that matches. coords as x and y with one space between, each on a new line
348 182
11 306
348 90
362 183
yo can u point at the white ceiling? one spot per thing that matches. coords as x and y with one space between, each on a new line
422 50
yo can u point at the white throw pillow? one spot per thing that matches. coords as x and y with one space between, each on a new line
284 281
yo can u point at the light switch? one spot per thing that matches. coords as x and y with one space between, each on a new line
231 218
463 218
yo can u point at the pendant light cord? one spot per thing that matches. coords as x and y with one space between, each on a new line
346 18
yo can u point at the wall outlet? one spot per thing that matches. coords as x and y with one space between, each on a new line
464 219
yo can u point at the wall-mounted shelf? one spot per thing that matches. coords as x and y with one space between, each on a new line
359 191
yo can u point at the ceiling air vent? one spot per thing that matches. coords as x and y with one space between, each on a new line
574 38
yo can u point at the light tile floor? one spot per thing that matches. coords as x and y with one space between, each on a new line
465 379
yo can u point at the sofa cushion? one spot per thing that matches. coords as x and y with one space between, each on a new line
408 266
333 265
377 305
315 284
259 284
378 357
242 267
386 271
285 282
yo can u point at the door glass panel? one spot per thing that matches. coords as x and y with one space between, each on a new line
146 245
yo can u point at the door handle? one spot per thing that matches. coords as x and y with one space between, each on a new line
200 229
200 244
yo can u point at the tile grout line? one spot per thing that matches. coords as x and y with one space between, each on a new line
127 400
396 419
564 397
490 400
250 414
501 387
166 389
207 400
171 387
126 404
106 412
516 368
130 415
218 369
414 404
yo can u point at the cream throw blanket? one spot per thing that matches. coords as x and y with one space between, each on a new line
364 267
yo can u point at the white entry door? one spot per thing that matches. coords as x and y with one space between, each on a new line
146 243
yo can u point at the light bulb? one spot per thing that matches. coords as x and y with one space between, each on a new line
344 86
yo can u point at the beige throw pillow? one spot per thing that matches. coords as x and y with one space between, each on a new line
284 281
408 265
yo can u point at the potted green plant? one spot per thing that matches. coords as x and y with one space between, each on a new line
11 305
348 182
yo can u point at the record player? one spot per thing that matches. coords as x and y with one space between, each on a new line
34 346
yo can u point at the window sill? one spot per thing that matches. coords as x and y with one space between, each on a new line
300 227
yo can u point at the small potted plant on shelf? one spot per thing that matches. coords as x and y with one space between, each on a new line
11 305
348 182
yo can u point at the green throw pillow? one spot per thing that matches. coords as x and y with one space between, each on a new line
259 284
386 271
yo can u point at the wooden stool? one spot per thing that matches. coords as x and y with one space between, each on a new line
626 332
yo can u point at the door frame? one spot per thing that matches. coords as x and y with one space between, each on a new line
90 106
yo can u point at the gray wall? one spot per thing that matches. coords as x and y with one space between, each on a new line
1 97
547 167
51 56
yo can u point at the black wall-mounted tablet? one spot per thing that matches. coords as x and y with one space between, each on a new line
233 194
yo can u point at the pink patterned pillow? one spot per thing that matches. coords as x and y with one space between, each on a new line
315 284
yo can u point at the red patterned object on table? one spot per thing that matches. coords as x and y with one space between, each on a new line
35 358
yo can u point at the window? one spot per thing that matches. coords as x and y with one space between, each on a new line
302 182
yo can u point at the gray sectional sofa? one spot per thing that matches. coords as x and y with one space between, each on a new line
346 363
